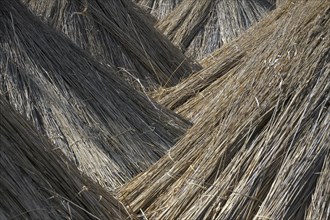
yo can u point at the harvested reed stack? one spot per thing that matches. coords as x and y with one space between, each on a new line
117 33
109 130
273 2
38 183
158 8
320 205
199 28
187 98
279 2
256 149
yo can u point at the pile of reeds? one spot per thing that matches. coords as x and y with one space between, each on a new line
118 34
158 8
261 132
199 28
320 204
109 130
279 2
187 98
38 183
258 148
274 2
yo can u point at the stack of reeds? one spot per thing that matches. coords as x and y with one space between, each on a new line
279 2
200 28
320 204
110 131
118 34
273 2
187 98
38 183
158 8
261 132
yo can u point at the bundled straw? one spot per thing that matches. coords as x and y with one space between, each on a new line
279 2
273 2
199 28
158 8
320 204
187 98
116 33
37 183
257 146
109 130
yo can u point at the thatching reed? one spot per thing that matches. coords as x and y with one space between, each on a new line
258 146
273 2
158 8
320 205
109 130
117 33
279 2
187 99
38 183
199 28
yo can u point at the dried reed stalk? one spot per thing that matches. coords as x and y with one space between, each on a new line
118 34
199 28
39 183
107 128
262 121
158 8
320 204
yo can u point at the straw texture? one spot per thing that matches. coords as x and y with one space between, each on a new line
262 129
188 98
118 34
158 8
200 28
109 130
38 183
320 204
279 2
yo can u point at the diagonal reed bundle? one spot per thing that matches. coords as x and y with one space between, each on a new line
279 2
320 205
264 121
280 176
158 8
37 183
199 28
273 2
187 98
108 129
117 33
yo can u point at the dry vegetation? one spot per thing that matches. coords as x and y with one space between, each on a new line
320 204
108 129
261 128
199 29
117 34
38 183
73 98
158 8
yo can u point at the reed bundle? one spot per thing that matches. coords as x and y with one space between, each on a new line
199 28
187 98
320 204
118 34
262 131
108 129
158 8
39 183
